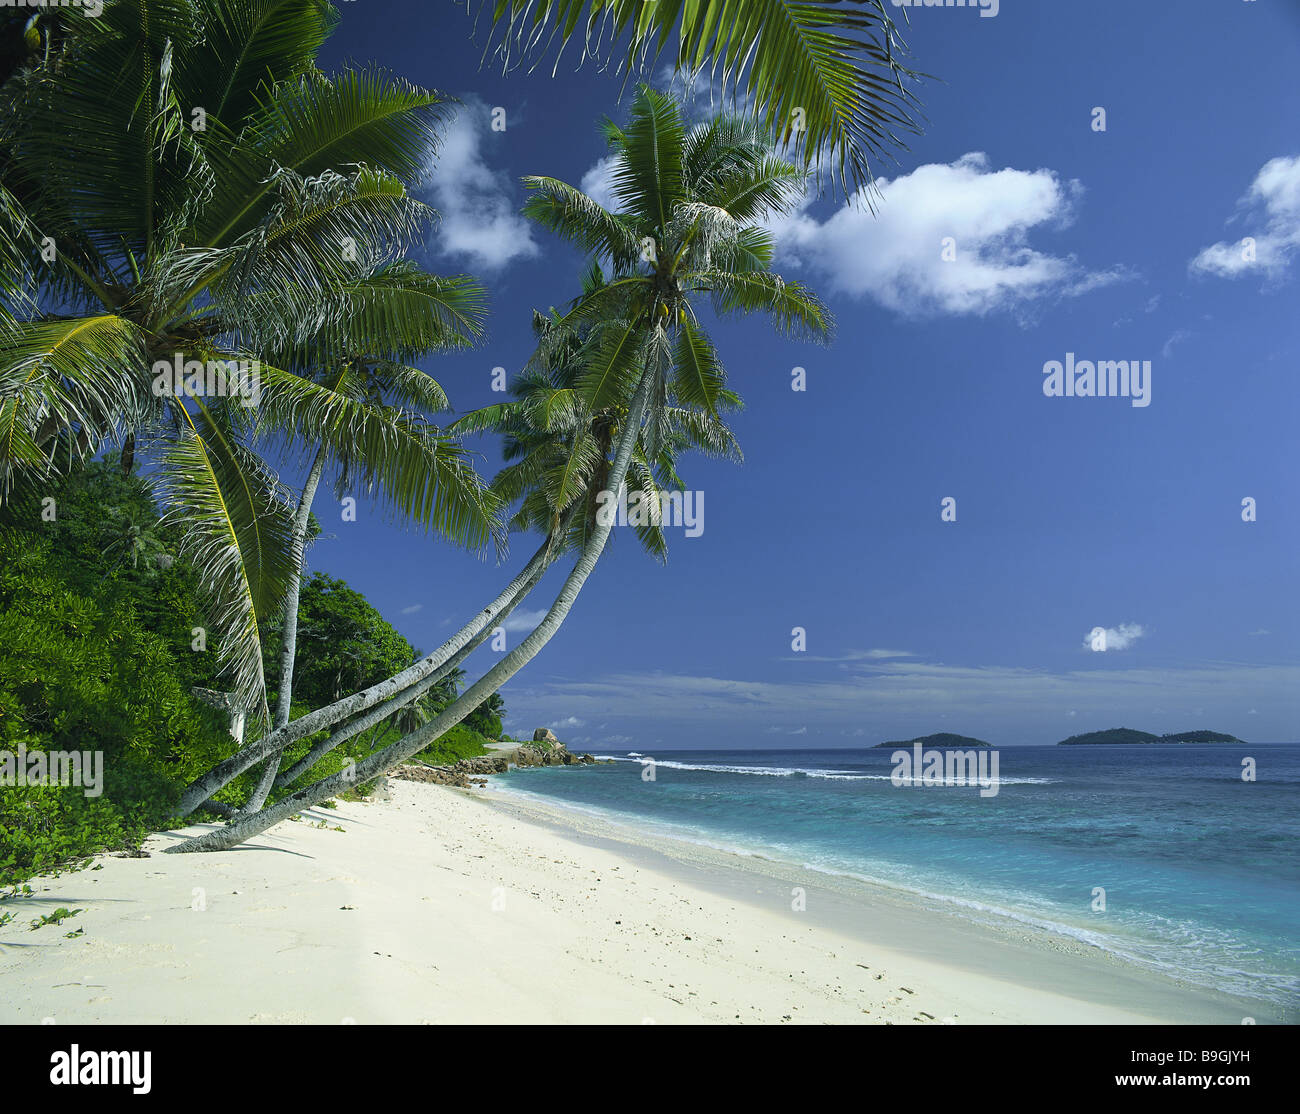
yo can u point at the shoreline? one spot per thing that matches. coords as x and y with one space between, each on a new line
914 925
438 905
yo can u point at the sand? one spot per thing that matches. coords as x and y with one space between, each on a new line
443 906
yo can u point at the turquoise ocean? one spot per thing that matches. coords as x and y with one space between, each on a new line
1200 868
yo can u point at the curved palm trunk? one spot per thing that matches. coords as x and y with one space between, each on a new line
379 714
224 772
289 645
493 679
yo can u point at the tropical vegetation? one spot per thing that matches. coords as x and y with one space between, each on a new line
210 274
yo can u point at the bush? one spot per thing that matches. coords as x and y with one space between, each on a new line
80 674
459 742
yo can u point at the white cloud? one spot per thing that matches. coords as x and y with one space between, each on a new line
481 224
571 721
855 655
896 257
598 183
1272 209
1103 639
1177 338
523 621
412 609
1023 704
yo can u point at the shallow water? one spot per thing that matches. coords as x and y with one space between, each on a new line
1199 868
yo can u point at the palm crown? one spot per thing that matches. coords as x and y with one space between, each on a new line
177 181
687 226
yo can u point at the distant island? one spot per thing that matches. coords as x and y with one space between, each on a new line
944 739
1128 735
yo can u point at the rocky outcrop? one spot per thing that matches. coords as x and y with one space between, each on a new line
557 755
545 735
473 771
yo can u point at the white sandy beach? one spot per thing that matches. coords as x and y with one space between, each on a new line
440 906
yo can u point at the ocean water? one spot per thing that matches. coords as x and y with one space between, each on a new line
1201 869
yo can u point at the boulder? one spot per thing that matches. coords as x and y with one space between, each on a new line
544 735
471 771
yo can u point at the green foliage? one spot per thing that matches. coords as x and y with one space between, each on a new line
827 77
220 243
486 718
460 742
95 656
57 917
344 644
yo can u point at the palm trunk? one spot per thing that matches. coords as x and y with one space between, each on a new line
375 765
224 772
379 714
289 645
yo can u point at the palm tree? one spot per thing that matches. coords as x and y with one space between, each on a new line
546 431
685 228
827 76
178 180
367 361
558 453
129 535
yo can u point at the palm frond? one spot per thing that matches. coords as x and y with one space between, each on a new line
791 305
236 528
828 76
416 470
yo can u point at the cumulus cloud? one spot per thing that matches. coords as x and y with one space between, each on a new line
523 621
1103 639
1271 210
481 224
946 239
598 183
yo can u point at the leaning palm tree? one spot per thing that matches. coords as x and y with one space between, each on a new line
168 173
558 451
559 459
827 76
686 226
373 324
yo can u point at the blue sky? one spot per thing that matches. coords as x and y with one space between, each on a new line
1071 513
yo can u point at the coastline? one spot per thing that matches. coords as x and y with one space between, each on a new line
446 906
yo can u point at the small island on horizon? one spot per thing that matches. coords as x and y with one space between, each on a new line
1127 735
943 739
